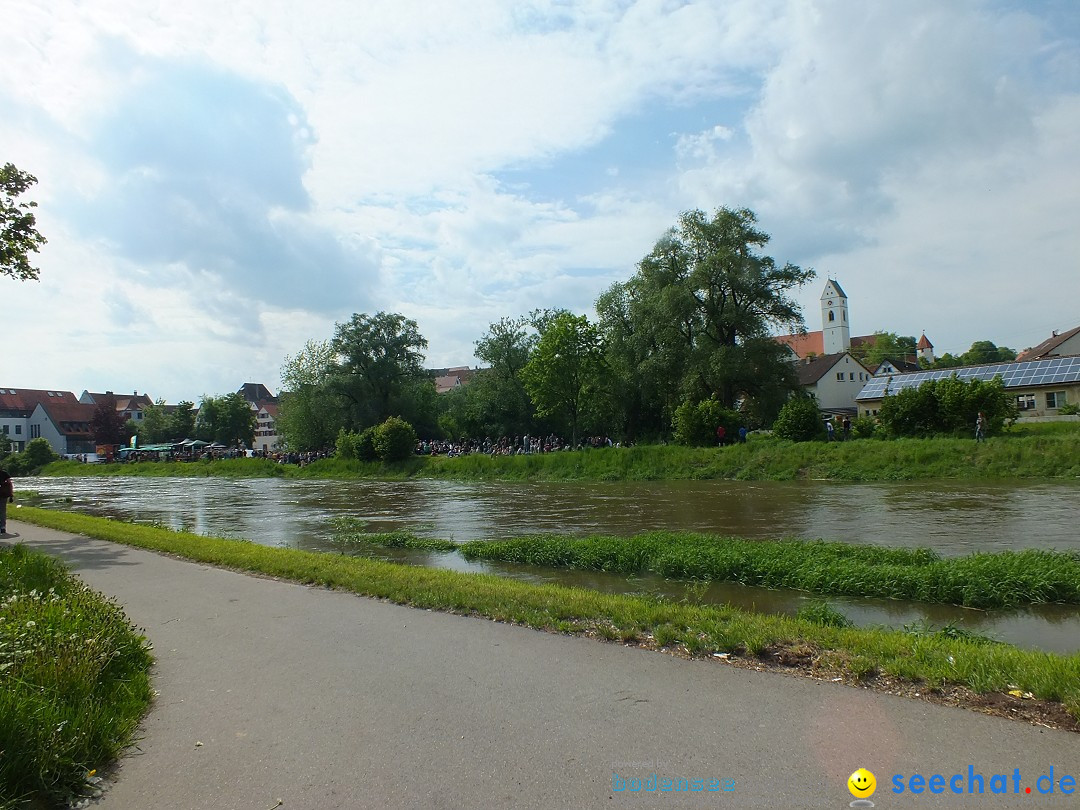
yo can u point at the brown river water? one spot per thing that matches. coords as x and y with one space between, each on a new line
952 518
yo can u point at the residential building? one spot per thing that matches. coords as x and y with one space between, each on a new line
265 405
17 408
1056 345
129 405
447 379
1041 387
834 380
66 426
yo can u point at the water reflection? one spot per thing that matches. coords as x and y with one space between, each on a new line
951 518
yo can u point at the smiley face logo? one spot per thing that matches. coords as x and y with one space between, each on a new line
862 784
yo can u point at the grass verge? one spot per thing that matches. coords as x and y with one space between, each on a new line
74 681
1001 580
935 661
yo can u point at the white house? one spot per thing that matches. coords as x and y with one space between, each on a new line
834 380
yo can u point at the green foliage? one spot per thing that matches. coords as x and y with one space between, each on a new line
167 423
563 374
800 420
228 419
74 680
981 351
309 413
394 440
694 321
359 446
378 368
695 424
863 427
885 346
38 453
1069 409
947 406
18 233
1002 580
821 612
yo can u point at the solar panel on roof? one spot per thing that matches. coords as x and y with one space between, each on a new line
1053 370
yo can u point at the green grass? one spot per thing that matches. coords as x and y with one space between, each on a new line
1032 452
74 681
1002 580
933 659
349 532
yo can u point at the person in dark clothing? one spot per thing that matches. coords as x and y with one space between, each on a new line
7 495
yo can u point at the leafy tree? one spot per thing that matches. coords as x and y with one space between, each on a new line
18 233
562 374
984 351
395 440
37 454
227 419
310 414
695 424
800 420
5 446
379 363
947 406
498 403
107 425
695 319
166 423
885 346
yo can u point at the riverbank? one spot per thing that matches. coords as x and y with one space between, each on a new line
956 670
1030 455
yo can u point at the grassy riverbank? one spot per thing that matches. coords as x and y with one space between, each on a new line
74 681
1002 580
1033 454
934 661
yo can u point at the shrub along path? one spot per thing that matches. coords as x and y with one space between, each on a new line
278 694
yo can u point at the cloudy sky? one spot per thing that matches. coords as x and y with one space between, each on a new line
221 182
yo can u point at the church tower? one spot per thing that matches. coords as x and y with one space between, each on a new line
835 329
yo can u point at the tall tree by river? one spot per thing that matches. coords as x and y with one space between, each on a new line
695 320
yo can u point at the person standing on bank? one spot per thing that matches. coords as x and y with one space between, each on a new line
980 428
7 495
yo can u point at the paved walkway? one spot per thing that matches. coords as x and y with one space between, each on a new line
273 691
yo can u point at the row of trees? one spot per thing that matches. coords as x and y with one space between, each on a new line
226 419
692 325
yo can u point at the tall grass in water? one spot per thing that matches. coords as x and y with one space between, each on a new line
73 681
1001 580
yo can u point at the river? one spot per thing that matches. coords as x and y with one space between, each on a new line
952 518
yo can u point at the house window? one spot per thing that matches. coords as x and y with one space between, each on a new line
840 376
35 431
1055 399
18 430
851 375
5 430
1025 402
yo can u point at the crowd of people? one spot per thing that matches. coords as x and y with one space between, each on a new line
510 445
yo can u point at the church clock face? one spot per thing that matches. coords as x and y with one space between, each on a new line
830 303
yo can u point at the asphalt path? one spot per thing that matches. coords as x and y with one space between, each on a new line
273 694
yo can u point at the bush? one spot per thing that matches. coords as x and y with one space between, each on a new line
1069 409
694 424
37 454
345 447
395 440
863 427
800 420
365 445
947 406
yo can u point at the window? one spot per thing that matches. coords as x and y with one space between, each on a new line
851 375
18 430
35 431
1055 399
1025 402
840 376
832 315
5 430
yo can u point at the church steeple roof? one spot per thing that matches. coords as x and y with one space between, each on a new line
836 286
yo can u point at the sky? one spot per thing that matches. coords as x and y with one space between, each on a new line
220 183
